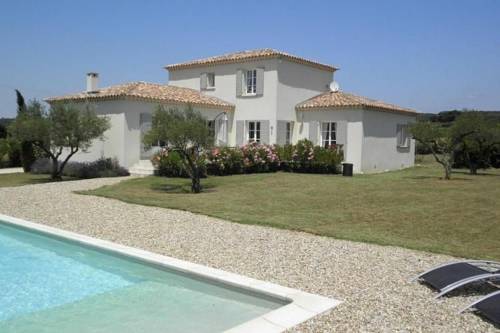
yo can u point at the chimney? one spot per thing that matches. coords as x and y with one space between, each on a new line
92 82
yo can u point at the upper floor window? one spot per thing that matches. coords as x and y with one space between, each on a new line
403 136
207 81
210 80
251 82
288 133
328 134
254 131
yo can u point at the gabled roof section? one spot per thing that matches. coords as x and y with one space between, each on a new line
244 56
148 92
340 99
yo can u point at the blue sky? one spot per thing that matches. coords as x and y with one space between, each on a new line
428 55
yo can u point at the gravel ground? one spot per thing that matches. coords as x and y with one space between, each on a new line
371 279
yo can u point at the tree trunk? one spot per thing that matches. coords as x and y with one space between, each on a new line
56 174
27 155
445 162
447 171
195 181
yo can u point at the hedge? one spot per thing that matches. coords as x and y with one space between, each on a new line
303 157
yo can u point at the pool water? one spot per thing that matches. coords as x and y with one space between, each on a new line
52 285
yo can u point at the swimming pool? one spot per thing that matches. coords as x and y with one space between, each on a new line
56 281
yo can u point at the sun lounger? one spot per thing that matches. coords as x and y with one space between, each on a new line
450 276
488 306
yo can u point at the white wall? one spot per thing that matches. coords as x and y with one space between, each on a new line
296 83
123 139
380 151
353 134
247 107
285 85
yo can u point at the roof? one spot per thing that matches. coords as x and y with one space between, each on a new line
237 57
149 92
340 99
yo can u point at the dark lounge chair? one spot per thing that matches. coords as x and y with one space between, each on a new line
488 306
450 276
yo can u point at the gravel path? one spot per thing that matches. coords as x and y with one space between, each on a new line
371 279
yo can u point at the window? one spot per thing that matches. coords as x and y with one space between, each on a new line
251 82
254 131
328 134
288 133
211 128
210 80
403 136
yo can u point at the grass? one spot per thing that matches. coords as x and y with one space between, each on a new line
411 208
20 179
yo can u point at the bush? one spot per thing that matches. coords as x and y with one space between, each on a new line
256 158
168 163
307 158
9 153
103 167
224 161
259 158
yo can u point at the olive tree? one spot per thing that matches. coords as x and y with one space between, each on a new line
60 132
185 132
440 141
476 150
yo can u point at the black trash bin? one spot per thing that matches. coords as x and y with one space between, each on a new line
347 169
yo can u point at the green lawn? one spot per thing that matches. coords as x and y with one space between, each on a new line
412 208
19 179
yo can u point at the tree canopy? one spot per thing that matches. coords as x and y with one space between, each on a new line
60 132
185 132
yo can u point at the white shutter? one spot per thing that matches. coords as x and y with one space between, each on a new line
281 132
239 82
203 81
264 132
313 132
240 132
341 133
260 81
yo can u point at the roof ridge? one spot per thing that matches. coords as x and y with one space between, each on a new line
148 91
335 99
246 55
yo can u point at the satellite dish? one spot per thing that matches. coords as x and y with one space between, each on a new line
334 86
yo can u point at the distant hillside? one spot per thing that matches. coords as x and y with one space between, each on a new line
447 117
5 121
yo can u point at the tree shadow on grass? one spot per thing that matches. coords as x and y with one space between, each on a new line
181 188
437 178
487 174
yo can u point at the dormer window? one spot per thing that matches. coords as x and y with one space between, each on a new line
251 82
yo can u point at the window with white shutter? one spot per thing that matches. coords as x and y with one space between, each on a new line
253 131
250 82
328 134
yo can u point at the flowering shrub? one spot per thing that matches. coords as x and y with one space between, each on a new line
255 158
168 163
224 161
307 158
260 158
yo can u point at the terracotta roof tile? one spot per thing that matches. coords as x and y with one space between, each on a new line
243 56
149 92
339 99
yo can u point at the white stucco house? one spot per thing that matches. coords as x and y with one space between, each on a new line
262 95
